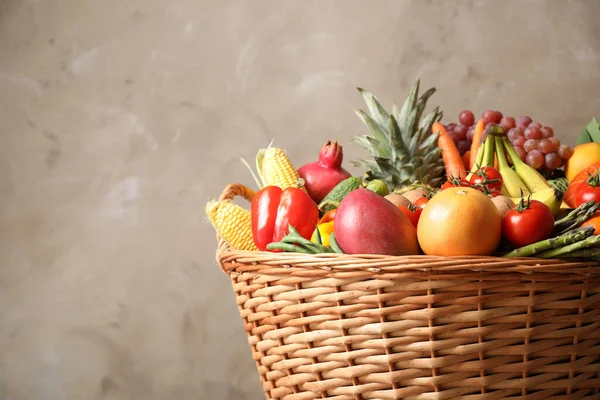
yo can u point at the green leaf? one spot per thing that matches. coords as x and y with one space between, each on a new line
594 130
375 129
395 112
423 102
367 165
377 112
372 145
385 166
430 141
408 112
397 145
584 137
591 133
423 131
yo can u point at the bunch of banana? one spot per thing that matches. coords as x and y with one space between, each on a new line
523 180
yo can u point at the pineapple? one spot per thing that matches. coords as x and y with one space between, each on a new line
404 151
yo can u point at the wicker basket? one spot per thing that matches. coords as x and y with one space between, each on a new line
350 327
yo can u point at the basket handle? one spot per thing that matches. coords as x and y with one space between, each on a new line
236 189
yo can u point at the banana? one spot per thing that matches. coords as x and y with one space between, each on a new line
534 180
512 185
478 160
488 154
550 197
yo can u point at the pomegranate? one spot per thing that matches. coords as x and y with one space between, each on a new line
321 176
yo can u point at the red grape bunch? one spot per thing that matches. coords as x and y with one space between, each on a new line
534 142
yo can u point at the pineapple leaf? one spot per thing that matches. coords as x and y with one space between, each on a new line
375 148
376 130
435 182
423 102
431 118
386 167
377 112
438 170
366 164
408 113
401 143
428 143
395 112
370 175
418 173
424 130
430 158
397 145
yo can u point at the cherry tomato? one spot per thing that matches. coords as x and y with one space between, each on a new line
454 182
487 177
329 216
588 190
421 202
528 222
413 213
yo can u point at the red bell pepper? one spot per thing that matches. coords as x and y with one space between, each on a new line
273 210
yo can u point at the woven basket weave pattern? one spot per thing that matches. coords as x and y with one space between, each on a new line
351 327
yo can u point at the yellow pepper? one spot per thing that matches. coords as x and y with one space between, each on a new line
325 229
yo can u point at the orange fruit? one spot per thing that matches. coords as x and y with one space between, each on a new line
583 156
594 221
459 221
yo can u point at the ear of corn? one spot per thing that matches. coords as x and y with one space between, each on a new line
232 222
275 169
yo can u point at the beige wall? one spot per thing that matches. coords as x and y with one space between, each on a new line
119 118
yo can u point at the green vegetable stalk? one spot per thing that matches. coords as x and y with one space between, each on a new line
334 244
560 184
591 253
294 242
576 217
571 237
561 251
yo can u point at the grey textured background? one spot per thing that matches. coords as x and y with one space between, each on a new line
119 119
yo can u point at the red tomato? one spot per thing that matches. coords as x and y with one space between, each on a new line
588 190
487 178
329 216
494 193
412 213
577 181
421 202
528 222
454 182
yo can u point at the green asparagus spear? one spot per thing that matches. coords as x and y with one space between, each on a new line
591 253
559 184
565 239
334 244
576 217
582 244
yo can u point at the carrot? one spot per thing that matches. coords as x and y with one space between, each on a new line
476 144
452 159
466 157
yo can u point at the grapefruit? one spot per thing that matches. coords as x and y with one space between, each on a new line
583 156
459 221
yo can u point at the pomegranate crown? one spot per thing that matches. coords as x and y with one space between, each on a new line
331 154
